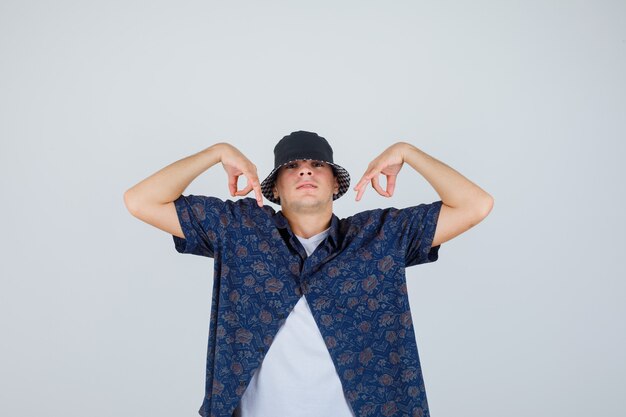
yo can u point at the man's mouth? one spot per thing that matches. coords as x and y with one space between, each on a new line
307 186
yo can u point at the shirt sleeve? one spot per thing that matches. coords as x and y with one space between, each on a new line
202 219
419 225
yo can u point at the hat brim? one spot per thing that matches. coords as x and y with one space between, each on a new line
343 178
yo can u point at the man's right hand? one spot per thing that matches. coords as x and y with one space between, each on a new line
236 164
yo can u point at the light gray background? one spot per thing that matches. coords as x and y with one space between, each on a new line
521 315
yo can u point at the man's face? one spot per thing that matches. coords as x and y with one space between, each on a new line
305 185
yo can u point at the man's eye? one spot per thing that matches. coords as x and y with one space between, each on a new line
295 165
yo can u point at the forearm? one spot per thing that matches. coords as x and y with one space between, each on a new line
454 189
169 183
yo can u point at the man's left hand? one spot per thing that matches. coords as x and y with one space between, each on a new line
387 163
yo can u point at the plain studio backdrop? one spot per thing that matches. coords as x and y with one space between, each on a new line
522 315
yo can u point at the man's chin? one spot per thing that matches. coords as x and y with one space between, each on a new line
307 203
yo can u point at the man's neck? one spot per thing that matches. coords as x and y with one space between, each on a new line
307 225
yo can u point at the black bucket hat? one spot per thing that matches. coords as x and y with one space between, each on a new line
303 145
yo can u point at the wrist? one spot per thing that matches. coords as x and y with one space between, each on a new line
214 153
405 149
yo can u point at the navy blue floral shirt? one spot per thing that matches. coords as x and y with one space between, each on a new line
354 282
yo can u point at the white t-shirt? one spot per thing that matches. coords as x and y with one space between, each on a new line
297 377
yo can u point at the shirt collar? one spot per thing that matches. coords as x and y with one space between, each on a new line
333 233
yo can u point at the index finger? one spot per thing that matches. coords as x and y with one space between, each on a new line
364 181
253 181
361 191
391 184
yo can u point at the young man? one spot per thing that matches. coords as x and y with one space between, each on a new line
328 295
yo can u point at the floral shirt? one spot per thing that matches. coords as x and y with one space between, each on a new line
355 284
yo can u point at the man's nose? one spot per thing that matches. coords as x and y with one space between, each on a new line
305 169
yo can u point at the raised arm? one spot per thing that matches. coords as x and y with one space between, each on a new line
465 204
152 200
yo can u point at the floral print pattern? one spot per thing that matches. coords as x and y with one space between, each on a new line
354 281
